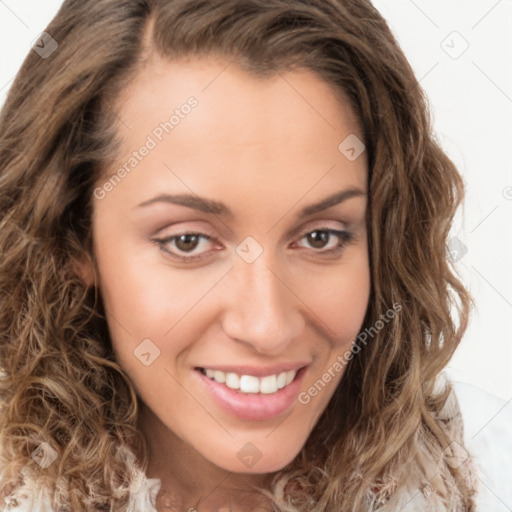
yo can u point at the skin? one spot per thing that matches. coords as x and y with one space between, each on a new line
266 148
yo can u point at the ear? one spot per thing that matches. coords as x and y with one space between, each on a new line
84 269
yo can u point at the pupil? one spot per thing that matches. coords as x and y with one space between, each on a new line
318 238
187 242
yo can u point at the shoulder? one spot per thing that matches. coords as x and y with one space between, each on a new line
425 481
29 497
488 438
34 496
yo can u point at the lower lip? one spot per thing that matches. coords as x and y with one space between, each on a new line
253 406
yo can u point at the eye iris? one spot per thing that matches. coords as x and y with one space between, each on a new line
187 242
318 239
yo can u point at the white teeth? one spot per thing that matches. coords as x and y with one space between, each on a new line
268 384
219 376
232 381
251 384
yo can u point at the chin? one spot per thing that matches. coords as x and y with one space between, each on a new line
262 466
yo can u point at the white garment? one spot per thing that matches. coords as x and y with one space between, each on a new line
143 493
488 437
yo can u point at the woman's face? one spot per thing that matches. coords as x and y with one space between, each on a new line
213 244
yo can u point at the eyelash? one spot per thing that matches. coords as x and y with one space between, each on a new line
345 237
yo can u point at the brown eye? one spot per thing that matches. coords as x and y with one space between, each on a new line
318 239
332 241
178 246
187 242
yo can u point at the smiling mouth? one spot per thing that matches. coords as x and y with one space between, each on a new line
243 383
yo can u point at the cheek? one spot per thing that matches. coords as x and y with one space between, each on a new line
148 300
141 293
339 300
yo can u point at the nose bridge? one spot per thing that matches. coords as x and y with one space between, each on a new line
262 311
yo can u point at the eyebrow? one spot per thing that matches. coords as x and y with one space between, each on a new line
217 208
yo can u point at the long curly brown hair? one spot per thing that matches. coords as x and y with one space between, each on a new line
60 382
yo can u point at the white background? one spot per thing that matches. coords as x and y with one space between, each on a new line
470 96
471 105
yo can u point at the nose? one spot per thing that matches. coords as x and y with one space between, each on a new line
262 310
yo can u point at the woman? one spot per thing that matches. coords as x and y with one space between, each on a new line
224 283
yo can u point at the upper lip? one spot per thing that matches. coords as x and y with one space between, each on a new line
258 371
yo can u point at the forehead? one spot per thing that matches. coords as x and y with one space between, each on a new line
284 130
226 94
